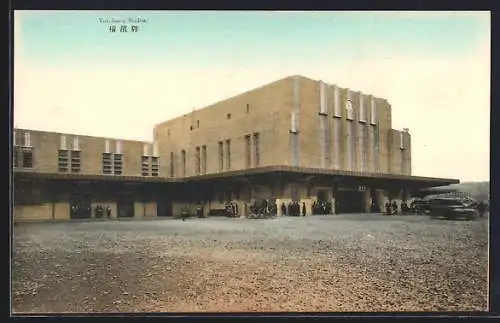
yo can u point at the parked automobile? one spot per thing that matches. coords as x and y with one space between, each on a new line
451 208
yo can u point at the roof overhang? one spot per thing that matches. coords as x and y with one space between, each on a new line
291 172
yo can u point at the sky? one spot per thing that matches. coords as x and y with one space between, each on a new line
73 75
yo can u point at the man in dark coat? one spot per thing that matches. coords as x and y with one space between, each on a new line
303 209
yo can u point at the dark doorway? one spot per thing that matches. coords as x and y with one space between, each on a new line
323 205
164 207
79 206
349 201
125 206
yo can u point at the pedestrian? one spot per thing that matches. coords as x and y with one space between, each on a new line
303 209
283 209
108 211
394 207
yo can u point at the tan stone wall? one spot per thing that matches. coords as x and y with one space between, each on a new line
61 211
151 209
33 212
266 116
139 210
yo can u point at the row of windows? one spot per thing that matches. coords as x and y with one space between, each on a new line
23 157
224 156
69 161
112 164
150 166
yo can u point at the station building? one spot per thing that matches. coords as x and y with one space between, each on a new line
294 139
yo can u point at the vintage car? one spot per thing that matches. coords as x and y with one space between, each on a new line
451 208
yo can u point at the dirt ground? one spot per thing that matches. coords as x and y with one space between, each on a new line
320 263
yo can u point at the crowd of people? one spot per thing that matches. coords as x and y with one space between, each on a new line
102 211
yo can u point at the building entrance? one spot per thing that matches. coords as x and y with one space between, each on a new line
349 201
80 206
125 206
323 204
164 207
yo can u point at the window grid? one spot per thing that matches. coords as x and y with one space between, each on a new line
155 166
145 165
75 161
118 163
62 160
107 163
27 157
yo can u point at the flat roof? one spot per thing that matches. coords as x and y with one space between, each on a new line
269 170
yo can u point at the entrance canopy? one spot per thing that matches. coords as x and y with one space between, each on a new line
319 176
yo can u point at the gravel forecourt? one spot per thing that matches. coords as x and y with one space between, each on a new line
361 262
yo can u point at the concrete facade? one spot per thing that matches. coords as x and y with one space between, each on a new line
300 122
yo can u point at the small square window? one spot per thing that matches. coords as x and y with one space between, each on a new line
190 127
248 108
228 116
197 123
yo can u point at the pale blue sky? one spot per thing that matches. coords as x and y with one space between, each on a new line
433 67
216 37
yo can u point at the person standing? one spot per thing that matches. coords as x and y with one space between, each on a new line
303 209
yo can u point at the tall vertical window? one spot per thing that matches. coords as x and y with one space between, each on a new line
337 107
183 156
337 142
349 106
401 141
62 160
145 165
348 146
376 150
107 163
155 166
15 150
228 154
362 110
27 157
248 151
322 99
221 155
15 156
145 150
256 145
293 126
118 162
62 155
156 150
197 161
204 159
75 161
363 148
373 112
172 170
